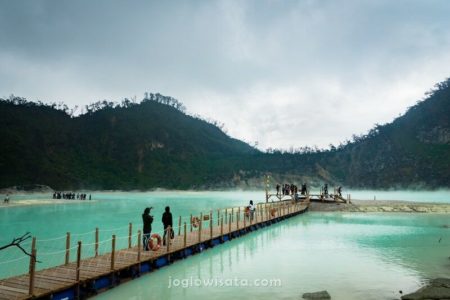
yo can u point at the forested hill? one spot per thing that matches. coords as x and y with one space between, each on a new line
155 144
413 151
127 146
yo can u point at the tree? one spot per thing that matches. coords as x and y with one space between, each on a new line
16 242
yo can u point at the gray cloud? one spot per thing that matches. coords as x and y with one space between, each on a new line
284 73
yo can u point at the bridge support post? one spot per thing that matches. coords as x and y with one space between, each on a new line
210 226
221 229
130 233
139 247
113 251
200 228
168 238
96 242
78 261
67 248
32 268
184 239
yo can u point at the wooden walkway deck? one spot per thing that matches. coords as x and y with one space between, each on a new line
88 276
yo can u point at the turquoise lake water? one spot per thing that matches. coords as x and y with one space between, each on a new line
353 256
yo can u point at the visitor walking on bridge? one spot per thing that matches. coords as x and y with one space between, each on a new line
251 209
304 189
167 221
147 221
339 190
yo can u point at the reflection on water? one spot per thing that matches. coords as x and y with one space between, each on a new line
371 256
353 256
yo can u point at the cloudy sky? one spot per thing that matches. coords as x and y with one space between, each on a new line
282 73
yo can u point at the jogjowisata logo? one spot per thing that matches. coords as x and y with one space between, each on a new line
222 282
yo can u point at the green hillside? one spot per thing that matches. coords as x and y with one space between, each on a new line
132 146
155 144
413 150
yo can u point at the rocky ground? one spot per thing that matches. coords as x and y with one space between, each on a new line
437 289
32 202
381 206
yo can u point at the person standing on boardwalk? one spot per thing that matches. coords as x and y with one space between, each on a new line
278 189
304 189
167 221
251 209
339 190
147 221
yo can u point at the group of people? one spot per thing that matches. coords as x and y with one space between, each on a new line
147 221
70 196
290 189
324 190
167 220
287 189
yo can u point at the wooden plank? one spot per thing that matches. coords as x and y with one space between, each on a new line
58 279
16 283
54 280
13 289
12 292
6 294
41 286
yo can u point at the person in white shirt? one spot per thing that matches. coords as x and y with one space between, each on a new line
251 208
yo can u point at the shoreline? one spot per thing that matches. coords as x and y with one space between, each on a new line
46 189
370 206
356 206
37 202
438 288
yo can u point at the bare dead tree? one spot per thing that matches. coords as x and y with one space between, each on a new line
16 242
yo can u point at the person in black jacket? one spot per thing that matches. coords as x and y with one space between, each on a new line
167 221
147 220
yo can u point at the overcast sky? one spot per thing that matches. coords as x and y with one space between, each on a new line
283 73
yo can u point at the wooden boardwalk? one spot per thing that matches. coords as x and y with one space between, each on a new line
87 276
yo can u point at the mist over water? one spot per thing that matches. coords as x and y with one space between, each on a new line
440 196
353 256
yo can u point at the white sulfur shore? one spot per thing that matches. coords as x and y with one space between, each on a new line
381 206
31 202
